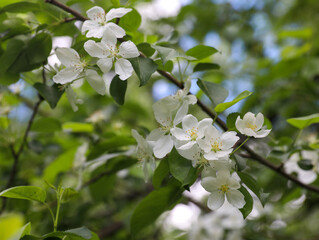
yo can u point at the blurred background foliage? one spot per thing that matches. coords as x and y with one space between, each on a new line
266 46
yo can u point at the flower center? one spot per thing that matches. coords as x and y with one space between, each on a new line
114 52
203 162
224 188
252 126
216 146
192 133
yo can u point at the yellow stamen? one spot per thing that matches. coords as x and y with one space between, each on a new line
224 188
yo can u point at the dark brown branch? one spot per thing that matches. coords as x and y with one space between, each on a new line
210 113
67 9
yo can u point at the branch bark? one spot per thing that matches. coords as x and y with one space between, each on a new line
206 109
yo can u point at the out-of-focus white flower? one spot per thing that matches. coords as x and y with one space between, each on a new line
221 186
192 130
252 126
305 176
144 154
73 98
109 54
217 146
99 22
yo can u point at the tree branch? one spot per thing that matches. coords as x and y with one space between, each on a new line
206 109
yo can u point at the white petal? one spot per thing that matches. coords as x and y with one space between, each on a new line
162 114
235 198
139 139
128 50
205 145
181 113
95 49
155 134
109 39
94 29
211 132
249 132
145 170
67 75
202 126
187 145
189 122
116 13
249 118
96 81
211 156
193 153
191 99
72 98
259 121
262 133
179 134
116 29
233 183
240 125
123 68
163 146
67 56
88 25
96 13
216 200
105 64
210 184
223 176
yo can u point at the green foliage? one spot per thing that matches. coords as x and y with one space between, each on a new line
25 192
144 68
206 66
118 89
46 125
131 21
223 106
303 122
249 202
161 172
51 94
216 93
201 51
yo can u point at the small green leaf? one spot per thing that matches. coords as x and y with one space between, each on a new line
131 21
252 184
14 47
25 230
118 89
215 92
25 192
168 67
160 173
305 164
246 210
46 125
146 49
201 51
144 68
68 194
39 48
179 166
20 7
303 122
205 67
78 127
231 120
223 106
51 94
153 205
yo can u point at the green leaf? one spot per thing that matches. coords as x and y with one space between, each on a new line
305 164
25 192
20 7
160 173
39 48
223 106
25 230
215 92
246 210
303 122
180 167
77 127
131 21
153 205
231 120
146 49
74 234
51 94
46 125
252 184
118 89
68 194
144 68
168 67
201 51
205 67
14 47
167 54
116 3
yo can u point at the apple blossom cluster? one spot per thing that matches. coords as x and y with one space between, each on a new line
107 52
200 142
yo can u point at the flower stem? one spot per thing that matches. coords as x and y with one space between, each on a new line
240 145
59 198
52 215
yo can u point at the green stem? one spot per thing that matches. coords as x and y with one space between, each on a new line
52 215
59 198
240 145
215 119
297 137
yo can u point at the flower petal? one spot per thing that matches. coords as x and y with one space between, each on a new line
249 132
123 68
202 126
189 122
95 49
128 50
216 200
105 64
96 14
249 118
67 75
139 139
240 125
187 145
116 29
163 146
94 29
223 176
109 39
88 25
262 133
179 134
181 113
210 184
259 121
96 81
235 198
68 56
70 94
116 13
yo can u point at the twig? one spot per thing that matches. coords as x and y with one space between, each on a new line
220 122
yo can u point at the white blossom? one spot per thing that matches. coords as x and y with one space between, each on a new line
305 176
216 145
144 154
252 126
192 130
72 97
109 54
220 187
99 22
